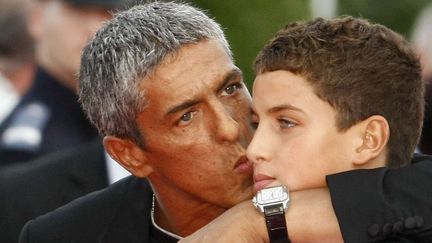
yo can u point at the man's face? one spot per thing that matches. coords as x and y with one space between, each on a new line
61 31
197 126
296 142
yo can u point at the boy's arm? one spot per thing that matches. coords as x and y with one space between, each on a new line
365 202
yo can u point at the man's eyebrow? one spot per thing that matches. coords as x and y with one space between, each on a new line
234 73
281 107
182 106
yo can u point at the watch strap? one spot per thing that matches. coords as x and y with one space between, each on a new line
276 224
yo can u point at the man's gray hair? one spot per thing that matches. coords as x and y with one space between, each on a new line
127 49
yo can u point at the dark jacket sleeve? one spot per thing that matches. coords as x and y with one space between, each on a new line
384 205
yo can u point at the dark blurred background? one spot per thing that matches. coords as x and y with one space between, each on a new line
248 24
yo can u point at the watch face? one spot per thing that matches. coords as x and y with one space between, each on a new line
272 194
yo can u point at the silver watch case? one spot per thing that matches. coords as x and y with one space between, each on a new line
271 196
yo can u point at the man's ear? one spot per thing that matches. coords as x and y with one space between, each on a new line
374 133
129 155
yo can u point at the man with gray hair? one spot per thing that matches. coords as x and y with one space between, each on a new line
158 81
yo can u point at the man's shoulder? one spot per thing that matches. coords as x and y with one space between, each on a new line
39 186
89 218
94 203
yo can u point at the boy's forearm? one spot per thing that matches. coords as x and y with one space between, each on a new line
310 217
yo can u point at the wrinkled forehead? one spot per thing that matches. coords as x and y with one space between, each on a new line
203 61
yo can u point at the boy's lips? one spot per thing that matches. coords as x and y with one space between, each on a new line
262 181
243 165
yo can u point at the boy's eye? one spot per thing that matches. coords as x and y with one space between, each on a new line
286 123
232 88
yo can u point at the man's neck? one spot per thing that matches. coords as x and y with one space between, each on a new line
182 214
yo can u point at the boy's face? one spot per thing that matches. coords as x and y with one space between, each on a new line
296 142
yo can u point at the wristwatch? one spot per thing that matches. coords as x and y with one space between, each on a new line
272 203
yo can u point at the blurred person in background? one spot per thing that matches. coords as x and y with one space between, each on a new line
48 117
16 54
30 189
422 41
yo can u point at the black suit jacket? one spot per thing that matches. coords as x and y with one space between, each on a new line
385 205
121 212
35 188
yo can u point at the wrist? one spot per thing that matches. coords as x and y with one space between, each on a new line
249 223
272 203
258 224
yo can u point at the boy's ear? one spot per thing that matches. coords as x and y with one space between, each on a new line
129 155
374 134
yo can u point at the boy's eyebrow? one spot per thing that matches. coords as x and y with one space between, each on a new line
281 107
